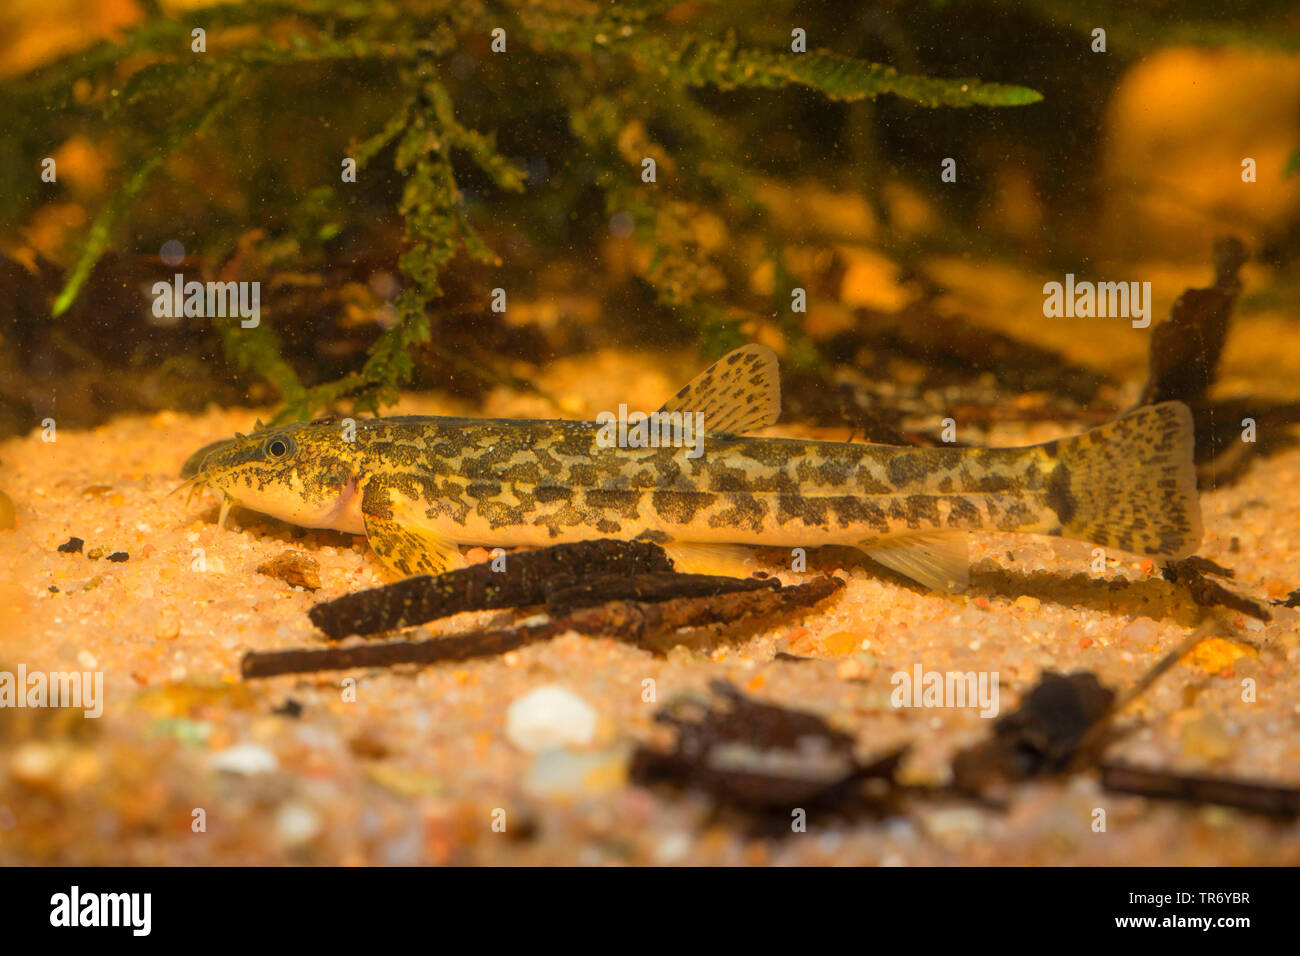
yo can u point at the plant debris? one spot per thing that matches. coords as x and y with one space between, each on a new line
295 568
1254 796
1042 736
72 546
622 619
459 647
526 580
1190 573
935 338
633 620
758 756
119 556
647 588
1183 363
1185 348
1063 724
290 708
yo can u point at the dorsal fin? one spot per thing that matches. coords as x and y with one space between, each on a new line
738 393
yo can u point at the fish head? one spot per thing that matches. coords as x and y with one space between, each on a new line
304 473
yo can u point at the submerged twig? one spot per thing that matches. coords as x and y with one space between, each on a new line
526 580
634 619
648 588
625 620
458 647
1255 796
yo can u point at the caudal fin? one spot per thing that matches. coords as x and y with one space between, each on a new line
1130 484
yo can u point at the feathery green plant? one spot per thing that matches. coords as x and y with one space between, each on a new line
604 66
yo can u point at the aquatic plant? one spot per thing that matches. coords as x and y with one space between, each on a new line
620 81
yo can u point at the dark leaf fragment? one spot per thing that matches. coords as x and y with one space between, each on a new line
1041 737
756 756
1207 593
1185 348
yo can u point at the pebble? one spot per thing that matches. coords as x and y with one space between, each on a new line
1139 632
296 823
842 643
1207 738
549 717
564 773
35 764
245 759
673 847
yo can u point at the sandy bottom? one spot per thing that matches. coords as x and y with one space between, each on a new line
190 765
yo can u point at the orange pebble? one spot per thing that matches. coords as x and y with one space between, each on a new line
841 643
1085 642
755 682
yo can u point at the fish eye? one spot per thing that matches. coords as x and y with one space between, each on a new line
278 446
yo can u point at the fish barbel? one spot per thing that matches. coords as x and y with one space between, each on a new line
419 487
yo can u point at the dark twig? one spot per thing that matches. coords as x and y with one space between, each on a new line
647 588
625 620
1249 795
526 580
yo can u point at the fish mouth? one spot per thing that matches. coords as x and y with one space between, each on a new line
195 482
193 466
196 477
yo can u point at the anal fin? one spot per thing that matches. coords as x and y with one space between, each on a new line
939 561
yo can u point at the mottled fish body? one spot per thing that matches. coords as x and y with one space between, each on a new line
419 487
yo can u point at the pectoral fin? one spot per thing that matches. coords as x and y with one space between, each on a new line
939 561
400 536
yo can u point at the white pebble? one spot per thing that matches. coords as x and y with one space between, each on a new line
549 717
672 847
296 823
246 759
